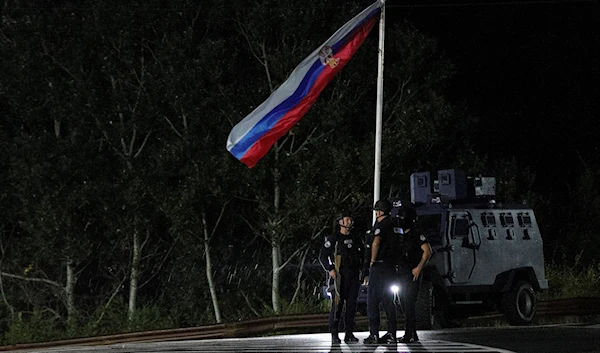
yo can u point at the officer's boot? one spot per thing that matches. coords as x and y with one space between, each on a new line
372 339
334 327
350 338
389 338
409 337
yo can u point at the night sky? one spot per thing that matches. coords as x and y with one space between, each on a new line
528 69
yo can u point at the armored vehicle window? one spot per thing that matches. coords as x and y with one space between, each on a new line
524 219
506 219
488 219
460 227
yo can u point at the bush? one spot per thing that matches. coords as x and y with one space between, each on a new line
572 281
307 305
151 318
35 327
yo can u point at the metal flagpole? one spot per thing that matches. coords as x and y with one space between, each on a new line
379 110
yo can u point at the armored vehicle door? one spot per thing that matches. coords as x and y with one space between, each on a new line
464 242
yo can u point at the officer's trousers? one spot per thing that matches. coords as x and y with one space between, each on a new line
408 300
349 288
381 278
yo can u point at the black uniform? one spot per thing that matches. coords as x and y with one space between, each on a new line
411 256
382 275
351 249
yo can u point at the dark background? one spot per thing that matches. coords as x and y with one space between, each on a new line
529 70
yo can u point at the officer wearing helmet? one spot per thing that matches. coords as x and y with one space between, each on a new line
415 253
384 248
342 256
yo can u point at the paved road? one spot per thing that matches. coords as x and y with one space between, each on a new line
550 339
534 339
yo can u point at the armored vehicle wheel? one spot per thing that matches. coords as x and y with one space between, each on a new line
432 308
518 304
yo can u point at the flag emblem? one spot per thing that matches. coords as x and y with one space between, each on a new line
326 57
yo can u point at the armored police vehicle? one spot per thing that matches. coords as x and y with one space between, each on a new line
486 256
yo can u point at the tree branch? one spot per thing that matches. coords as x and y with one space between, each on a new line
56 62
115 292
247 37
400 100
173 127
154 273
133 136
254 230
306 244
299 277
140 80
249 304
4 299
33 279
142 146
218 220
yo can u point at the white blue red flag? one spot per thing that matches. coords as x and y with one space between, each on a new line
252 137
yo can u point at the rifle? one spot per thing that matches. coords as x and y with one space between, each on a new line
337 279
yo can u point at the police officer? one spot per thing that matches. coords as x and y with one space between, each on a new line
416 251
347 247
382 272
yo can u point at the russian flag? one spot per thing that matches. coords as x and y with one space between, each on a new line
252 137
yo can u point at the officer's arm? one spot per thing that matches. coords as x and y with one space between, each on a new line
325 254
360 248
366 256
375 248
426 255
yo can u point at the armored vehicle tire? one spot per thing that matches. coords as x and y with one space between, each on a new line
518 304
432 308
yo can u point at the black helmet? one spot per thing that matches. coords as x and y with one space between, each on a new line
339 216
383 205
407 216
344 213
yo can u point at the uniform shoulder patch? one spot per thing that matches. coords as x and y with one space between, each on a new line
377 231
422 237
327 244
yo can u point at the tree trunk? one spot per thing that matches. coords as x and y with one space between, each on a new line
4 299
70 291
276 255
133 281
275 243
299 276
209 272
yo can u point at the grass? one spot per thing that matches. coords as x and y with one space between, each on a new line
572 281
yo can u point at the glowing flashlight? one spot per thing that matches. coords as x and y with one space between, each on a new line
395 289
